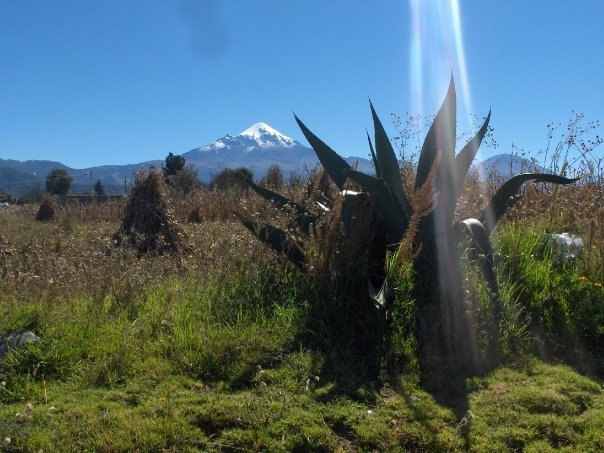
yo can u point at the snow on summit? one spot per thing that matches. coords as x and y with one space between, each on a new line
267 136
260 136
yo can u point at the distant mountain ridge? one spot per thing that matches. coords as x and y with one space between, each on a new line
505 165
18 177
256 148
17 182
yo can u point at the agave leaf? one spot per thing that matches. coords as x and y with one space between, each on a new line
386 204
331 161
376 163
466 155
388 164
369 183
323 207
276 239
351 201
380 296
503 198
303 218
440 138
324 201
480 249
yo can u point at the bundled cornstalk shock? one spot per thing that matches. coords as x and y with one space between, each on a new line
46 211
148 224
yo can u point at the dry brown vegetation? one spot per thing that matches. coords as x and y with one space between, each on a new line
74 252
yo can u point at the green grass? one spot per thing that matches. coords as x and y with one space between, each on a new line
537 407
216 366
233 351
560 304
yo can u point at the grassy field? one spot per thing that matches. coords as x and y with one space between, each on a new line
226 347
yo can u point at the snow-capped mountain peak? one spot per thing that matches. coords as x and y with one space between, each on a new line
260 136
267 136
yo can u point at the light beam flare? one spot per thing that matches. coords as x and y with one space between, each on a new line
436 51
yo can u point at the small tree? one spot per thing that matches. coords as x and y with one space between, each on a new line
58 182
274 178
295 179
229 179
184 181
98 187
174 164
178 176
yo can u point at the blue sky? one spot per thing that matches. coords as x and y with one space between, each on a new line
114 82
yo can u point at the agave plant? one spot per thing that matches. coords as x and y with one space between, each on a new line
442 319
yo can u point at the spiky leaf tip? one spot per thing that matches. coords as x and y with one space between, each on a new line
388 163
331 161
302 217
500 202
466 156
440 138
276 239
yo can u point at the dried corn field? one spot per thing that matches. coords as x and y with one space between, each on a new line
75 254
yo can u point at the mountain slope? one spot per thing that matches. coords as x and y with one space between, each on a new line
17 182
256 148
505 165
18 177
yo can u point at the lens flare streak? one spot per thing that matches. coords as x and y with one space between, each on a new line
436 52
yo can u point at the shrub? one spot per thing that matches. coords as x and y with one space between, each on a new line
274 178
229 179
174 164
180 177
184 181
195 215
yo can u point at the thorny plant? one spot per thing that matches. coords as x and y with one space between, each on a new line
443 325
